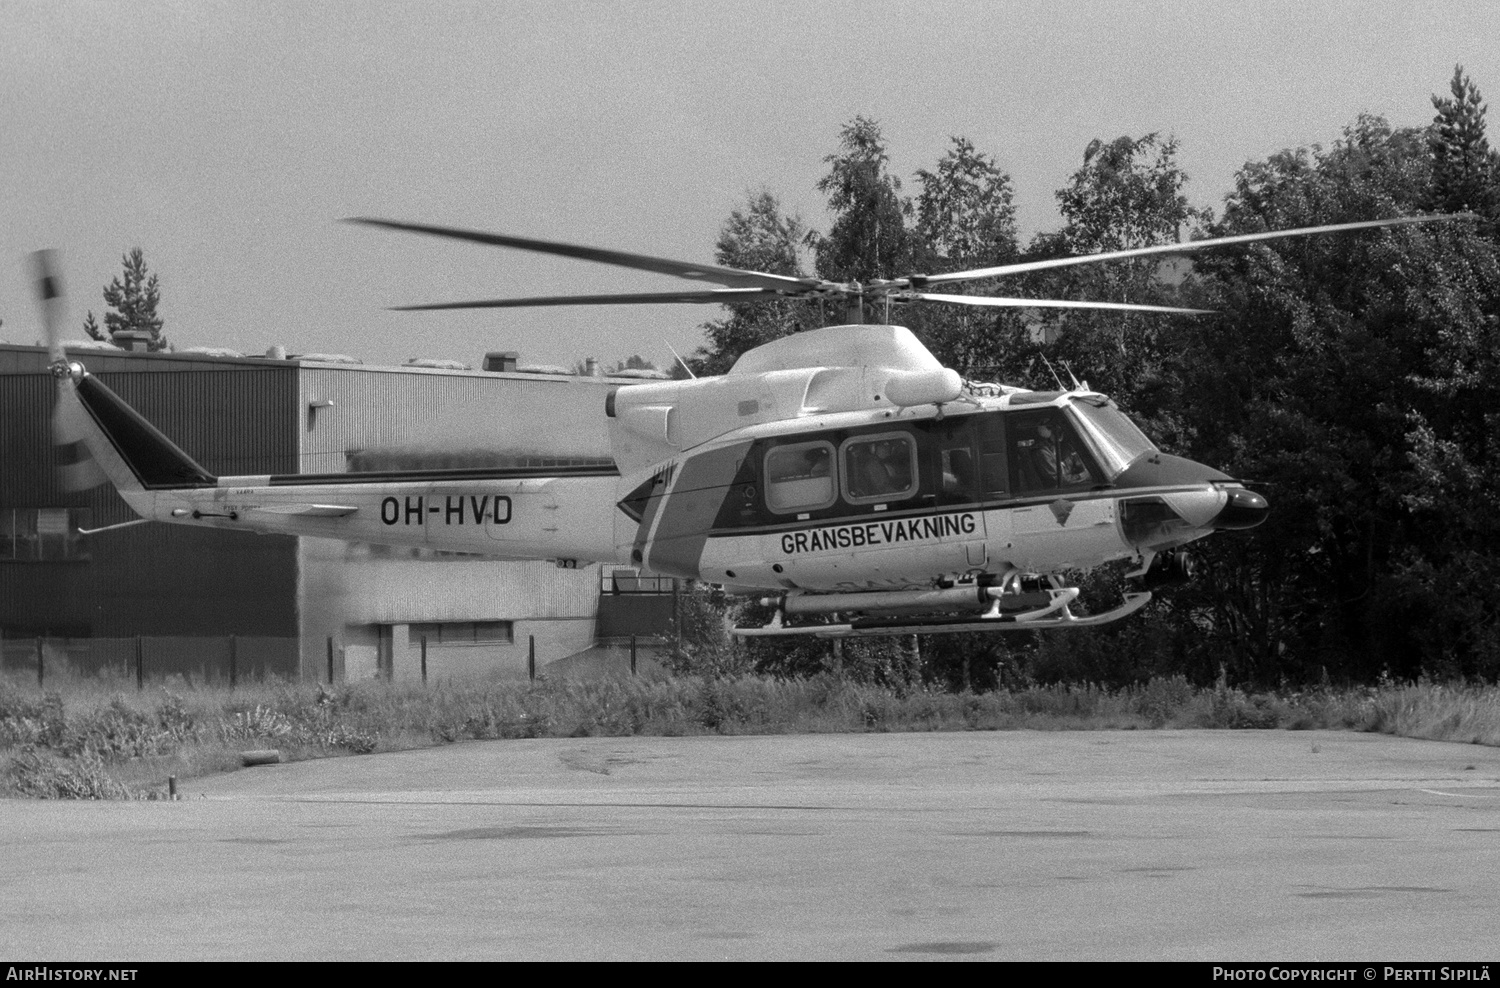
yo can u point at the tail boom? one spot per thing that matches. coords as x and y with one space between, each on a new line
521 518
503 513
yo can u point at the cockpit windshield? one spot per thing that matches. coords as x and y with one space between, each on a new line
1114 436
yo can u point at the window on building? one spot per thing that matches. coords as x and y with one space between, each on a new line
462 633
628 580
42 535
799 477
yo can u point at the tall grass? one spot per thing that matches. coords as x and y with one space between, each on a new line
92 741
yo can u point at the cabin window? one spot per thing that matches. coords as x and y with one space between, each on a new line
1045 454
799 477
882 467
956 475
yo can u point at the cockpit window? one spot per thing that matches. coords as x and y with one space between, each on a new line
1115 437
1045 454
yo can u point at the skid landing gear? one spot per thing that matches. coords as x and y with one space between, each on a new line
1017 604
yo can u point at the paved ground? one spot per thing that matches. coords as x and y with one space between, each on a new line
1102 845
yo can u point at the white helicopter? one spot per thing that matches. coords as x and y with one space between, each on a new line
842 472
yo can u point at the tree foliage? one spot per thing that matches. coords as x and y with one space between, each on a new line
965 219
1353 378
966 213
1463 163
1351 375
758 236
869 238
133 299
1129 192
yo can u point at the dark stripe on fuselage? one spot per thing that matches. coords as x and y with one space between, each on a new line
653 502
944 509
438 476
690 508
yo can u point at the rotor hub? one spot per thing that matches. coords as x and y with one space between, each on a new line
71 369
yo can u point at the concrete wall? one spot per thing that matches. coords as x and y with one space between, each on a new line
349 590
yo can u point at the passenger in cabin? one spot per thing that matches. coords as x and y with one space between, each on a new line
893 454
958 471
817 462
880 468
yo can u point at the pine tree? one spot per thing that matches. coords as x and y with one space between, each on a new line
1463 164
91 327
134 301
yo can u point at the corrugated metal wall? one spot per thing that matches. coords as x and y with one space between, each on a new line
233 417
395 409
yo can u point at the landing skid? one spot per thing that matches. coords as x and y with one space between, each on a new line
1054 615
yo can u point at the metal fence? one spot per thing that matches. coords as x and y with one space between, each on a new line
223 661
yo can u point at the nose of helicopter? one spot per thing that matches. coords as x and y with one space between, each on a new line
1244 509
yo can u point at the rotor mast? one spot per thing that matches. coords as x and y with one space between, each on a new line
854 304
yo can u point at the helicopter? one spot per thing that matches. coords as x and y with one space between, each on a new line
842 474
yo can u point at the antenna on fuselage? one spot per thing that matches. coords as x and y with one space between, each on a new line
1054 372
684 363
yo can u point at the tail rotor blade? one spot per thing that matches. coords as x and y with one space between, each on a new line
50 298
77 470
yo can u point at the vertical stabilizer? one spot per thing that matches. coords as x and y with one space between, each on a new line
98 436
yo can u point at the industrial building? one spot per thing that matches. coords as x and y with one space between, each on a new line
156 600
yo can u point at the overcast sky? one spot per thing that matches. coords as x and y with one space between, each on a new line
227 139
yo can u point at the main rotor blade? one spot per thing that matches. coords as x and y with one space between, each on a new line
1177 248
733 277
719 295
1049 303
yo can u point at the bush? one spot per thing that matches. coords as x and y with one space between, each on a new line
82 777
1160 700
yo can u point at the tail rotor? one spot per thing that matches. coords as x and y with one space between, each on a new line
77 470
